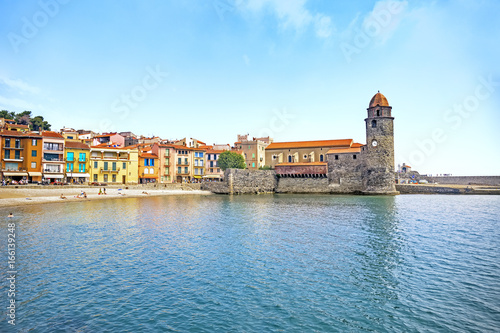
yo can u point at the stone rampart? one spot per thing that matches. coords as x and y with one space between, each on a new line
464 180
303 185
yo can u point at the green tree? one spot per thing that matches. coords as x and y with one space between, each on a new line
7 114
231 160
38 124
22 116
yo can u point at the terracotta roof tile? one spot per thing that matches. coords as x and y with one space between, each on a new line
344 151
52 134
310 144
76 145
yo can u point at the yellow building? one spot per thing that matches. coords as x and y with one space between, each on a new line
76 156
112 165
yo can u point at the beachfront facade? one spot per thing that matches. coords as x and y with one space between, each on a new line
21 156
148 167
182 163
77 156
165 155
112 165
198 163
212 169
53 157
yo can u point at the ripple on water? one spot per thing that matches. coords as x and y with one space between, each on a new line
289 263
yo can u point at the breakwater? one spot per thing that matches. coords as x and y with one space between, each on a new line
464 180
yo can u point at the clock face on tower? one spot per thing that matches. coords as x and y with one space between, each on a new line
374 143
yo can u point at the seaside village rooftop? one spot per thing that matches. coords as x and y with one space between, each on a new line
83 156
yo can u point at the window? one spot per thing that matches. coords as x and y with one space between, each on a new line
124 165
105 165
105 178
82 157
69 167
151 171
253 155
374 123
7 143
186 161
113 177
253 165
195 171
305 156
17 155
275 157
211 164
201 162
321 158
289 158
33 165
179 170
95 165
354 157
70 156
70 137
146 171
336 157
179 161
34 142
201 171
114 166
186 170
18 143
146 162
201 154
152 162
218 170
33 153
81 167
249 147
378 113
95 178
195 162
7 154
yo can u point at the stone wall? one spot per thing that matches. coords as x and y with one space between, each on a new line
345 172
416 189
303 185
465 180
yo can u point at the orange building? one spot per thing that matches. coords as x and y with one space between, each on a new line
148 167
21 156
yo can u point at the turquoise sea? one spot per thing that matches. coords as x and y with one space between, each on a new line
256 263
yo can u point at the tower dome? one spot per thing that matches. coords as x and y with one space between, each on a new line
379 100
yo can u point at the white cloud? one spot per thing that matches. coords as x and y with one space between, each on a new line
19 85
8 103
384 19
292 14
323 26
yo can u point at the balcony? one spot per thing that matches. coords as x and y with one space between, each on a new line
53 160
82 159
15 147
101 170
185 163
182 173
14 159
52 171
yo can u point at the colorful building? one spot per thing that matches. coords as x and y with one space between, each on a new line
21 156
148 166
182 163
77 156
53 156
253 150
212 169
198 163
113 165
165 155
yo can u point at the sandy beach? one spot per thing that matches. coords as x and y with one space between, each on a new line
30 196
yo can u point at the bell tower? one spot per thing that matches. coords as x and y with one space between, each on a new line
378 154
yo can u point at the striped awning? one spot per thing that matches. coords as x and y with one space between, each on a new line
78 175
55 176
35 174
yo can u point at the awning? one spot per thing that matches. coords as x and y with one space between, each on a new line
35 174
14 174
211 176
196 176
78 175
53 176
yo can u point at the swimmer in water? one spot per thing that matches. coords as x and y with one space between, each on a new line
11 215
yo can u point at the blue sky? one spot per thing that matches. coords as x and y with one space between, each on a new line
293 69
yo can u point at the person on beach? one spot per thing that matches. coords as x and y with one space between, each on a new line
62 196
144 192
104 190
100 191
85 195
10 215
